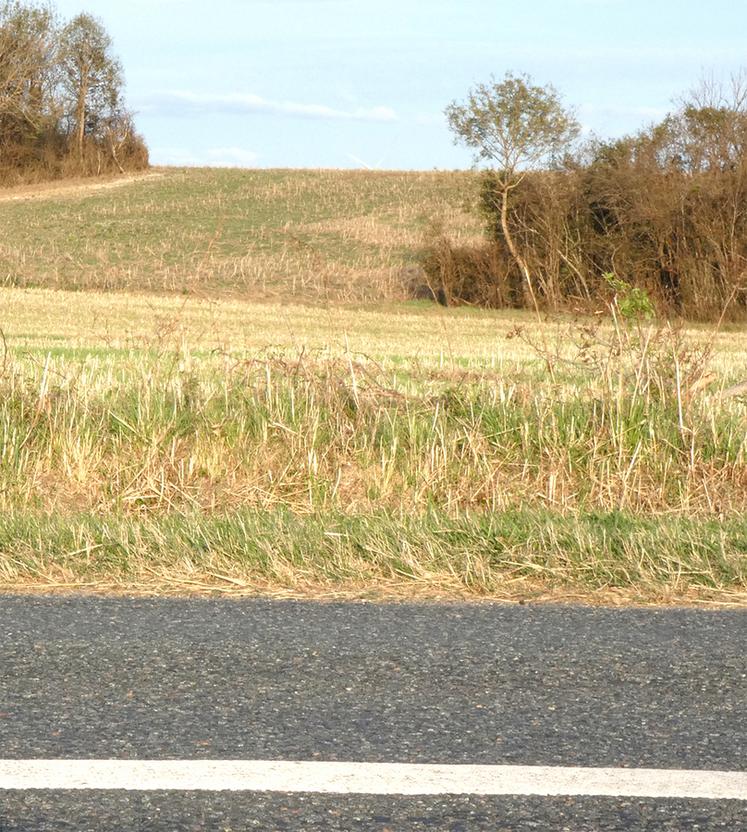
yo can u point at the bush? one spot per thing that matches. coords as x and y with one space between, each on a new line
664 210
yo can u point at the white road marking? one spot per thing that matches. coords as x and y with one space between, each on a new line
369 778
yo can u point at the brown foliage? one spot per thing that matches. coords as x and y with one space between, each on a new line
664 210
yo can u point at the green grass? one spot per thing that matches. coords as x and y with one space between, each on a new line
509 554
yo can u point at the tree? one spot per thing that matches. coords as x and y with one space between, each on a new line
27 63
91 76
709 132
515 126
61 97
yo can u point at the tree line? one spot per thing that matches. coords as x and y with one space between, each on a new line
62 107
663 210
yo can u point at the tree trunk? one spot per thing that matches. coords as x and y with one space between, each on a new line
80 113
113 149
520 262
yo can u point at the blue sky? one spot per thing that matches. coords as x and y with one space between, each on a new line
348 83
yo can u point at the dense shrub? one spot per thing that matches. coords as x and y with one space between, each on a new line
665 210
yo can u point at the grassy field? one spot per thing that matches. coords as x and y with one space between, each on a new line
215 440
327 235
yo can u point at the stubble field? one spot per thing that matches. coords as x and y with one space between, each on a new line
310 236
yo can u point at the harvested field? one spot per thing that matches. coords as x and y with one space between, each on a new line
304 235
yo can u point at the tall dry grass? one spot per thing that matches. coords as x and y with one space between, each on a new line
643 430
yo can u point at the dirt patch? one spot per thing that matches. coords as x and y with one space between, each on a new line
75 187
527 592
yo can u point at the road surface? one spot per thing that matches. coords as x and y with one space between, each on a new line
201 681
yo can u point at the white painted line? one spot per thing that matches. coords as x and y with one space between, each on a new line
369 778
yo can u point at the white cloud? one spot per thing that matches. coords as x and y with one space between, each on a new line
188 103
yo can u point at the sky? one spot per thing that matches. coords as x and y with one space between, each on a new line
364 83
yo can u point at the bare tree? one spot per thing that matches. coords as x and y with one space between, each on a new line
710 128
515 126
118 129
27 62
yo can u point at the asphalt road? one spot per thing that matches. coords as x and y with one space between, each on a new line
489 684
